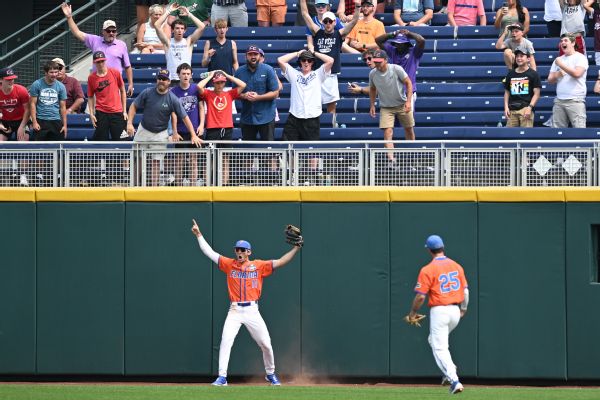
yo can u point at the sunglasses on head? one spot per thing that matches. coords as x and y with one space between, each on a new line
110 30
240 249
328 21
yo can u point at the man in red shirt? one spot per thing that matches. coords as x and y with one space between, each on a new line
74 90
244 282
219 114
444 281
14 113
107 100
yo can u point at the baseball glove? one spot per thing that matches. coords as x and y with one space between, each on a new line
415 320
293 235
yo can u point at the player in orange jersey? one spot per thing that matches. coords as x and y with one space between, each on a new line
244 282
444 281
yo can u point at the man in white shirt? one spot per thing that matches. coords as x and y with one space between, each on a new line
569 72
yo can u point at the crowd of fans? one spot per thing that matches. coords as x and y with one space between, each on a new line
177 109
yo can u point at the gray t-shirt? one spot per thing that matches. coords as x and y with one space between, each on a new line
389 85
158 108
525 43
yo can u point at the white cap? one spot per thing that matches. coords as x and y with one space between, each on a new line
108 23
59 61
329 15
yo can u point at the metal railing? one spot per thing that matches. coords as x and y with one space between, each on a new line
27 49
423 163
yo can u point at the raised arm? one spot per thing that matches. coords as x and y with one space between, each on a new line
307 19
204 246
158 24
241 85
66 9
348 28
202 84
327 61
193 38
286 258
286 58
500 42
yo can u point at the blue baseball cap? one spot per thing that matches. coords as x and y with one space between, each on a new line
434 242
243 244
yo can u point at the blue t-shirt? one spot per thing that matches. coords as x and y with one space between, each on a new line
261 81
413 10
48 99
338 24
189 101
158 108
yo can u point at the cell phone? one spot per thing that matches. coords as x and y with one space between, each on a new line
504 5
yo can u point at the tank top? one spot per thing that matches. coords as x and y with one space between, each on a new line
223 57
150 35
507 20
177 54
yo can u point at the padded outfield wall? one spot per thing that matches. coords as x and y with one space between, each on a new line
111 281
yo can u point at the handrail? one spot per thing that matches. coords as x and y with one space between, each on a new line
56 25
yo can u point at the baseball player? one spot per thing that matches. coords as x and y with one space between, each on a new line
444 281
244 282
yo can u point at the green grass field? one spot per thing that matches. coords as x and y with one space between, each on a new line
244 392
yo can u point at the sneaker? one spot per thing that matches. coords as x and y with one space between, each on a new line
23 181
273 380
445 381
220 381
456 387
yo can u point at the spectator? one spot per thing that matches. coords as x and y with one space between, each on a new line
413 12
392 85
200 9
328 40
117 56
465 12
312 10
362 36
233 10
353 87
148 41
522 87
568 72
553 17
220 53
47 105
219 115
258 99
322 7
158 104
400 51
189 96
511 13
178 50
14 114
107 100
573 15
345 10
74 91
515 40
271 12
143 12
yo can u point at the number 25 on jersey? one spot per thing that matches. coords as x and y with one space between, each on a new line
449 282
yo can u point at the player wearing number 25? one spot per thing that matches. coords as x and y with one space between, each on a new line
244 282
444 281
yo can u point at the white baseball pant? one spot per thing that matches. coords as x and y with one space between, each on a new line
443 320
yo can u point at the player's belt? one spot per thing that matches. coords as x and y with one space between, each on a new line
245 304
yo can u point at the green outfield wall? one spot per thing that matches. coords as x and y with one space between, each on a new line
112 282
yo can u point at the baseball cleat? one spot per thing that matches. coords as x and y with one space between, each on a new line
220 381
445 381
456 387
272 378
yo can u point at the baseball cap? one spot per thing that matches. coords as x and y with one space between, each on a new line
162 73
219 77
306 55
261 52
322 2
252 49
400 38
59 61
379 56
99 56
108 23
329 15
434 242
366 2
243 244
7 73
521 50
515 26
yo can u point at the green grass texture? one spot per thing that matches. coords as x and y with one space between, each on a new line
26 391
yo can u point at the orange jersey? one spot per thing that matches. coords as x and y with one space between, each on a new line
244 281
443 280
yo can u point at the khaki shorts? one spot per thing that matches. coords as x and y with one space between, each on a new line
144 135
273 14
388 114
517 119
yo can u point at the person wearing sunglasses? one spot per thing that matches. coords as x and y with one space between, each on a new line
158 103
322 7
244 284
353 87
117 55
328 40
74 90
362 37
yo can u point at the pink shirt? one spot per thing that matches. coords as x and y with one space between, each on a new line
117 56
466 11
